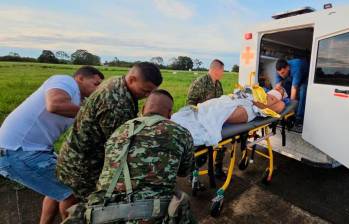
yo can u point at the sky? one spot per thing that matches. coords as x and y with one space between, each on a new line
137 29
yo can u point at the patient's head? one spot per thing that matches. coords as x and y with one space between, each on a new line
281 90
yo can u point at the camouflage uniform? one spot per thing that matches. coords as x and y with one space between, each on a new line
203 89
81 157
156 155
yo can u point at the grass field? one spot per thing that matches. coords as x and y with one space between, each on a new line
19 80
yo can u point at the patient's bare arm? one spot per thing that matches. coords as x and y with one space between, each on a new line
238 116
272 103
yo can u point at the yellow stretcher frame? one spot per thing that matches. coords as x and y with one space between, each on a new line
258 134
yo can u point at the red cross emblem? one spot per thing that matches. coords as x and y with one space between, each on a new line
247 56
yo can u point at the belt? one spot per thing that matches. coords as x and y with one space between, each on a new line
140 209
2 152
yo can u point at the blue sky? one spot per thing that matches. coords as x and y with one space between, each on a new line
137 29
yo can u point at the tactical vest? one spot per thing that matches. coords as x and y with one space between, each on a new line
130 210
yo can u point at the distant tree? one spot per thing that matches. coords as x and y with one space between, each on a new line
83 57
62 55
13 54
197 63
47 56
16 57
182 63
114 62
235 68
157 60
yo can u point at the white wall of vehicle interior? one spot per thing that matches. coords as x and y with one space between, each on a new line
322 37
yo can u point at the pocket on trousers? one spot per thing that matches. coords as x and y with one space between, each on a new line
40 161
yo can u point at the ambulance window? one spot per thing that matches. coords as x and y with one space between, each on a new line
332 65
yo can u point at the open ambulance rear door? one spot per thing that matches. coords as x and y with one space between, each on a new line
327 107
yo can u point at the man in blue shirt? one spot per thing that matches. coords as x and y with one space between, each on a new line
293 76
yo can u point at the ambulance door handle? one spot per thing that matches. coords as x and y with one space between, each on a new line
342 91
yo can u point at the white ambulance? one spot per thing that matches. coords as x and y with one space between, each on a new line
322 37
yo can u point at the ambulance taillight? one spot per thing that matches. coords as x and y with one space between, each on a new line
248 36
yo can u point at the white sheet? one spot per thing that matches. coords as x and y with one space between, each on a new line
205 124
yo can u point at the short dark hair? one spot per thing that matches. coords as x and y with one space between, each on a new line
150 72
88 71
162 92
217 61
280 64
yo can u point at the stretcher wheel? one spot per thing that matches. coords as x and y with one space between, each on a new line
194 190
195 183
266 180
216 207
243 163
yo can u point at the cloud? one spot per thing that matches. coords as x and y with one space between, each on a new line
174 8
122 31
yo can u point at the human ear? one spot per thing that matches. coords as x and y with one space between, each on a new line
169 114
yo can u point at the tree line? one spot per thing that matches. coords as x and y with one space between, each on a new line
83 57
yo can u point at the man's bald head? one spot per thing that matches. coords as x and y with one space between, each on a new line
216 70
159 102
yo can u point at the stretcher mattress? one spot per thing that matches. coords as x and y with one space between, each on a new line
230 130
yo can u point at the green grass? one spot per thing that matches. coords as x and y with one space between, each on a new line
19 80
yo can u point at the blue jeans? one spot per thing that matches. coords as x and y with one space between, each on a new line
35 170
302 94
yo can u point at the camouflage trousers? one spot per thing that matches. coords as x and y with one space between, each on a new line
178 213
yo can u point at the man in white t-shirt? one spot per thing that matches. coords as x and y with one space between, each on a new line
28 133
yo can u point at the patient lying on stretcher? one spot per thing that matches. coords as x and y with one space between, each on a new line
274 103
205 121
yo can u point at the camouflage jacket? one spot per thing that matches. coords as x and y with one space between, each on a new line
203 89
82 154
157 154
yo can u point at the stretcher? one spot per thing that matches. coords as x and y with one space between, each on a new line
248 135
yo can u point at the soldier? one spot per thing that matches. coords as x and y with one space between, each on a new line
149 152
204 88
208 86
82 155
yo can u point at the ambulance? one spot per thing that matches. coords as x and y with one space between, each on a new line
322 38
